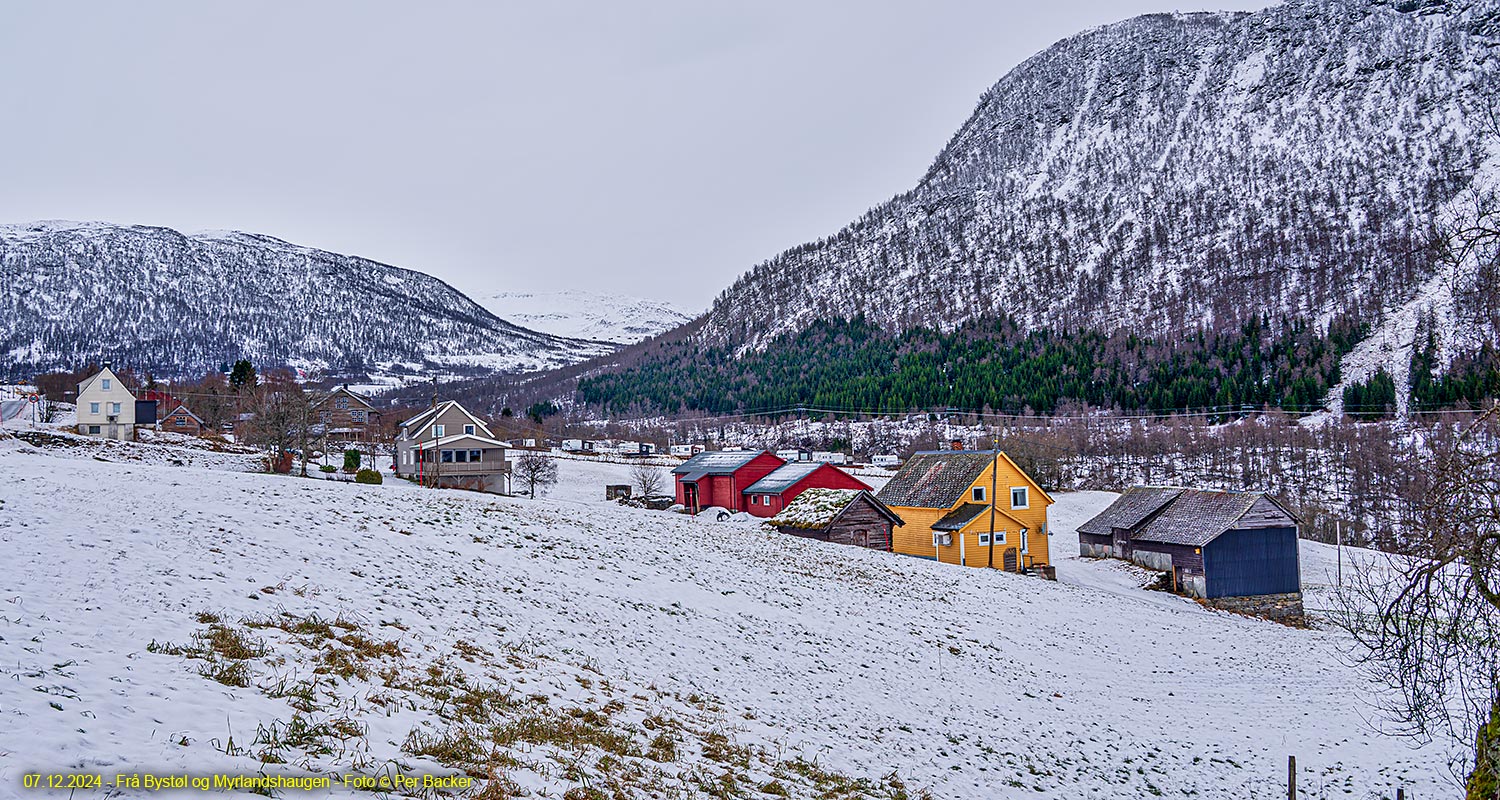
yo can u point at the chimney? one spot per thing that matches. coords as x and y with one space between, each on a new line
956 444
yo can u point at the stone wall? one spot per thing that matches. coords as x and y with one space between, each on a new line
1285 608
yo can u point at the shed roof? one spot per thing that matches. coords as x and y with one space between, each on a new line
935 479
819 508
1130 509
717 462
785 477
182 409
956 519
1197 516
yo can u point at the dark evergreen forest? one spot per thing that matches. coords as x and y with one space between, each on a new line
988 365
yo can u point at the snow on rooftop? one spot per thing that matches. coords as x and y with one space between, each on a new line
815 508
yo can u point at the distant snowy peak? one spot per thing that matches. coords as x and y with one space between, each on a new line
181 304
579 314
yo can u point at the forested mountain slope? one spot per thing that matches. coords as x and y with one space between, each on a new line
1170 177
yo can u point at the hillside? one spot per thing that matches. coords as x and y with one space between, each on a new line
178 305
579 314
1145 190
563 642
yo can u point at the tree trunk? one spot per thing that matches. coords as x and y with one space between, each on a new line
1484 781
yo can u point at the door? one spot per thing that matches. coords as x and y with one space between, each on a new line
690 496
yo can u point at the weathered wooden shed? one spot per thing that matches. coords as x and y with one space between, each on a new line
841 516
1215 544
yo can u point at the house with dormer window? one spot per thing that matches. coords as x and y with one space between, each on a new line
448 446
974 508
346 415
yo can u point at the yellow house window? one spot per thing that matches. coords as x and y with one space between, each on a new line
977 493
1020 497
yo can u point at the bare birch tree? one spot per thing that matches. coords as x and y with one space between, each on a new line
1426 618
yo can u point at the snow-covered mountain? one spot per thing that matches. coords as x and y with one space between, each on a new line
579 314
156 299
1170 172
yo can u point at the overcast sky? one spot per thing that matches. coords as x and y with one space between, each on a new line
650 148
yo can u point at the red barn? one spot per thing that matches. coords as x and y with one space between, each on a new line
769 495
719 478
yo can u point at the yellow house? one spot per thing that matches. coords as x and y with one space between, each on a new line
947 499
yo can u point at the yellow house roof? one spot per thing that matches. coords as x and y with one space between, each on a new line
942 478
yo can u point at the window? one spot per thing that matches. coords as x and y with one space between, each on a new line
406 458
984 540
93 408
766 500
469 430
107 383
447 456
114 408
754 499
474 455
94 429
437 430
461 456
1019 497
978 494
341 403
357 416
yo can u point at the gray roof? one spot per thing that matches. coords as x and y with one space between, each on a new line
1130 509
959 517
784 477
935 479
1197 516
717 462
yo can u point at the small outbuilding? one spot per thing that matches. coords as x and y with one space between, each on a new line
1237 550
841 516
182 420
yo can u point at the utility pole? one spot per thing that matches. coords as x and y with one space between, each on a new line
994 481
1338 538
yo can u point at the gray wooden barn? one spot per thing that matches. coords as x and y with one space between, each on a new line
1214 544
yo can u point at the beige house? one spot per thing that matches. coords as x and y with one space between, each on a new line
105 407
449 447
346 415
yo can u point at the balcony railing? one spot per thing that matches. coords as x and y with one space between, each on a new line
467 468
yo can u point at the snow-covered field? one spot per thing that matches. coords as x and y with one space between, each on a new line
588 631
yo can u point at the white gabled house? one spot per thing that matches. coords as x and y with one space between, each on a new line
450 447
105 407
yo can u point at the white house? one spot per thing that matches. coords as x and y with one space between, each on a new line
888 461
686 450
578 445
105 407
828 457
